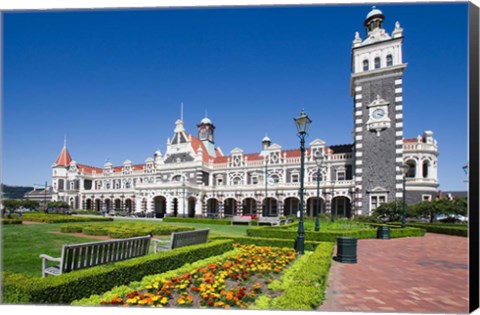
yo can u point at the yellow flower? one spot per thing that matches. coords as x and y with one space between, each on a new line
164 300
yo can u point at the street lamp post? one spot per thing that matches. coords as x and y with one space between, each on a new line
404 168
302 123
318 161
465 169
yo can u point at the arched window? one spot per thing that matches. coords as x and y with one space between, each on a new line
236 181
411 170
389 60
377 63
425 166
365 65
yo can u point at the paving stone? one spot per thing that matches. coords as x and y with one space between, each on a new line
415 274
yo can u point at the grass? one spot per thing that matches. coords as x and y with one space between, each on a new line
23 244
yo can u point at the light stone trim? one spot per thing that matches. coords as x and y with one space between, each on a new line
398 81
398 90
398 99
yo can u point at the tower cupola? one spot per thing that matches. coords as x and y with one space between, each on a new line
373 20
205 130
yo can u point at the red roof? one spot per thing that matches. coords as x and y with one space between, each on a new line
64 158
197 144
410 140
89 169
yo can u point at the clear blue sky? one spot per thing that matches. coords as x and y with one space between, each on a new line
113 80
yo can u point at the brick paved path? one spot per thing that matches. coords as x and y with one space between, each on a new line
417 275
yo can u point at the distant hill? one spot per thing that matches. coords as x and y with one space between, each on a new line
14 192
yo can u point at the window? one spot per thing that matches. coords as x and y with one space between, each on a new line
365 65
425 169
254 180
295 178
314 177
411 170
237 181
377 200
426 197
219 181
341 175
377 63
389 60
72 185
274 179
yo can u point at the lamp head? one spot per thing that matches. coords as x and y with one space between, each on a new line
302 123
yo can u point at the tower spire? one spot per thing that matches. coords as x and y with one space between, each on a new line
181 111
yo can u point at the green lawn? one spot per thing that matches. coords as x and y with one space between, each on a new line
23 244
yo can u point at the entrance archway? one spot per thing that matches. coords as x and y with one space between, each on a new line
118 204
88 204
175 207
212 207
312 204
160 206
269 207
128 205
249 206
230 207
191 207
98 204
291 206
341 207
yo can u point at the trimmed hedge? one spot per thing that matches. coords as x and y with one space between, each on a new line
197 220
322 236
11 221
397 231
273 242
450 229
59 218
124 230
21 289
303 285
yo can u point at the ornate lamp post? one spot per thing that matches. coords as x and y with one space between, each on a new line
465 169
302 123
319 162
404 168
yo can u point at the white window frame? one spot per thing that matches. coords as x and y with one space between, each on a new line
426 197
376 196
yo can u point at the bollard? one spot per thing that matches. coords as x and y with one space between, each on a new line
383 232
346 250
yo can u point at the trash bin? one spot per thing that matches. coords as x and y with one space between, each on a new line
383 232
346 250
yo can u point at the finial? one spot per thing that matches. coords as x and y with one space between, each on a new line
373 7
357 36
397 25
206 113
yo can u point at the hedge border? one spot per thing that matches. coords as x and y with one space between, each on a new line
273 242
60 218
197 220
447 230
22 289
322 236
303 285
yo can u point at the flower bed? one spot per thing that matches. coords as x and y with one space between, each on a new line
230 282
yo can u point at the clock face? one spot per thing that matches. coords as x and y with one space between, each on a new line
378 113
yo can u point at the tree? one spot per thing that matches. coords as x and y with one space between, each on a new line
430 209
58 204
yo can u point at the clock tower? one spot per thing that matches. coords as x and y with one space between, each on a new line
376 88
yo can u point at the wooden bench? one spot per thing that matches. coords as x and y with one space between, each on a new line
180 239
241 219
289 220
273 221
81 256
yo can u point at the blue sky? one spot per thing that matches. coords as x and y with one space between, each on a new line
113 80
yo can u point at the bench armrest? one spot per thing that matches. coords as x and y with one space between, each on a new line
46 257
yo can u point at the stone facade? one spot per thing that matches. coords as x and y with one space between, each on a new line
195 178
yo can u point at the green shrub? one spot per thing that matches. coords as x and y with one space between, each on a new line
89 212
440 228
198 220
124 230
11 221
303 285
59 218
64 289
397 231
71 228
322 236
272 242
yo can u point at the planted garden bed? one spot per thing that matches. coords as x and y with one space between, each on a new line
234 280
123 229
